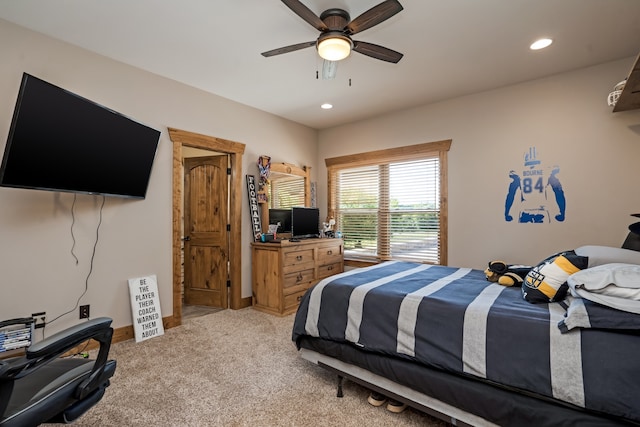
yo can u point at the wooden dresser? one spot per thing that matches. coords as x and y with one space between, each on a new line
282 272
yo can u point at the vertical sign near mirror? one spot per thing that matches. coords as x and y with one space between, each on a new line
254 212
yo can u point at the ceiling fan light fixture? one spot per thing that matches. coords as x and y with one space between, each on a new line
334 47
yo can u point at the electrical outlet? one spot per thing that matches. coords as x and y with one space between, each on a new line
84 311
39 319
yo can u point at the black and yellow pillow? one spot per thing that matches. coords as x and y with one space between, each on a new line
547 281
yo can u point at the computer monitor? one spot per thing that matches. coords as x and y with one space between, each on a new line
282 217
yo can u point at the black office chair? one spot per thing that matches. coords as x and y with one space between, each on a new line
43 387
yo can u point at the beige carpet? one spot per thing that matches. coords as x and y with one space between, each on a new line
231 368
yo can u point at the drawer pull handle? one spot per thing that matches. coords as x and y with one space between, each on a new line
299 258
299 277
299 298
330 268
329 252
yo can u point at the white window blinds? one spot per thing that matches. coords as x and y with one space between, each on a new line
287 192
390 210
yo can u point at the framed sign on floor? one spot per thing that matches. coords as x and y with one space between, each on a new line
145 308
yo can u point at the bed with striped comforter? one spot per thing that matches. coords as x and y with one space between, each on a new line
454 320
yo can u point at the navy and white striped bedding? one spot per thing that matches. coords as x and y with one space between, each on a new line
583 313
453 319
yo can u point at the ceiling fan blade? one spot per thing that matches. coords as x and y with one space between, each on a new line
288 49
377 52
374 16
305 13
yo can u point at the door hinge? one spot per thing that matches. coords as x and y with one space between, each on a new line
228 227
228 283
228 171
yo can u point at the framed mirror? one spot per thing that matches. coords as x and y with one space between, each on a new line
288 186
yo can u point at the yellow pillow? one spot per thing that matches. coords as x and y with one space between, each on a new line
547 281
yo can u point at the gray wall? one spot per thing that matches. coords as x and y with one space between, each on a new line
567 119
38 271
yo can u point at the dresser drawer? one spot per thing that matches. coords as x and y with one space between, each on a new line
329 270
293 300
298 278
330 253
292 258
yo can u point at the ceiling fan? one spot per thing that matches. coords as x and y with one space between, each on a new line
336 28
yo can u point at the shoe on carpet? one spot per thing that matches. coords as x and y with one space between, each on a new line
395 406
376 399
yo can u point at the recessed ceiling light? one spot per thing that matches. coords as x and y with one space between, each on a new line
540 44
326 106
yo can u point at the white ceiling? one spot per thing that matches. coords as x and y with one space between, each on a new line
450 47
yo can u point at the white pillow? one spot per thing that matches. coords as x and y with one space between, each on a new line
615 285
599 255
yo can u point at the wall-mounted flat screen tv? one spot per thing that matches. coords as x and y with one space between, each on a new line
305 222
60 141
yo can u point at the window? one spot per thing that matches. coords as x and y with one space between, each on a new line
391 204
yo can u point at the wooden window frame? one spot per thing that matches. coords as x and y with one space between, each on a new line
406 153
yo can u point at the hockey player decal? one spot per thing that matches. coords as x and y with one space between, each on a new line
535 195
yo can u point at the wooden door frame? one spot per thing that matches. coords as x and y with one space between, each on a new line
234 150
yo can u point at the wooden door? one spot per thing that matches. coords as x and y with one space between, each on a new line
206 245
